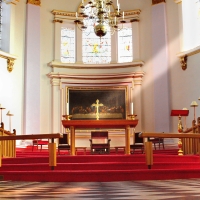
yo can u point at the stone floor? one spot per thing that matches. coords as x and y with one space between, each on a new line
129 190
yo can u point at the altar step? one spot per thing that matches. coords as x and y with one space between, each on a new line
100 168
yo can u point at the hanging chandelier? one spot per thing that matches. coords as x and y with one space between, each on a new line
97 14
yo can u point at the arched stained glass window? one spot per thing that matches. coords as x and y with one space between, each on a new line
67 45
125 53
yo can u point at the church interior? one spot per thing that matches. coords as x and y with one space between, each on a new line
98 73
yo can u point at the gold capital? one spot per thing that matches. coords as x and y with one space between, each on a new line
34 2
10 63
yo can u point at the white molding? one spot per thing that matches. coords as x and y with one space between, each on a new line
57 64
189 52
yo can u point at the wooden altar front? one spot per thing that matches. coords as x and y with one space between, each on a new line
104 124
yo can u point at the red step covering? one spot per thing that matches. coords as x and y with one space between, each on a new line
34 166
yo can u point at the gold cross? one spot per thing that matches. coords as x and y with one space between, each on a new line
97 105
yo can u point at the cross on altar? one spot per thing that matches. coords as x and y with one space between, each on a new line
97 105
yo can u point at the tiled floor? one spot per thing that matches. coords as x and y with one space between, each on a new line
140 190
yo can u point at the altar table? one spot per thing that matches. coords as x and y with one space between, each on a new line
105 124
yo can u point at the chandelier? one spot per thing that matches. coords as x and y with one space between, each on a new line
97 14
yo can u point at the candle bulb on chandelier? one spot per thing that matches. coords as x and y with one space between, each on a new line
123 15
76 15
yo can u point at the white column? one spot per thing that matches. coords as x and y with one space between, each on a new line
57 40
114 49
135 39
160 68
32 71
55 106
137 101
79 47
180 15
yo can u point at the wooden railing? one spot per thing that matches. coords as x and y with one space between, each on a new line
7 147
148 144
190 145
51 145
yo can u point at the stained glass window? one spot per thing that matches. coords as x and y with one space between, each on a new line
0 24
67 45
96 50
125 53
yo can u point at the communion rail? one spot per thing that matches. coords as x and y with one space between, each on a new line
51 145
149 148
7 147
190 145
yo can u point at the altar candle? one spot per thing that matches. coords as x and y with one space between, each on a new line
67 108
131 108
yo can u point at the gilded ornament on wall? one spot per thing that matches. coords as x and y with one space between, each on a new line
34 2
157 1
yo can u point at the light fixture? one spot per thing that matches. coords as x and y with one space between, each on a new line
194 104
101 15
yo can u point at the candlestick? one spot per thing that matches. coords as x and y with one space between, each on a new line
131 108
67 108
9 114
1 108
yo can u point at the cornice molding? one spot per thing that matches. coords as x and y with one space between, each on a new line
185 54
157 1
60 15
97 79
34 2
57 64
11 1
10 60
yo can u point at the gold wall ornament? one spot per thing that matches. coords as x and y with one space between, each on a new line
10 64
34 2
10 60
58 20
157 1
11 1
183 61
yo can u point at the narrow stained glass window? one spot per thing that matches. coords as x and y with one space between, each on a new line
125 53
67 45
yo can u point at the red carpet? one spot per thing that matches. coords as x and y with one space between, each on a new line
33 166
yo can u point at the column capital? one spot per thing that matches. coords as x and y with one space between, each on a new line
55 82
157 1
34 2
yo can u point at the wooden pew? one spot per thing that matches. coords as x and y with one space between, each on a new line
52 145
149 148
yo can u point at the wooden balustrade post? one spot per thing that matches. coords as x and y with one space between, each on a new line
0 154
149 153
52 154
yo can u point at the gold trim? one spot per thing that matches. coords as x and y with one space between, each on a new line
73 14
183 56
57 20
157 1
10 64
10 61
183 61
34 2
11 1
177 1
125 88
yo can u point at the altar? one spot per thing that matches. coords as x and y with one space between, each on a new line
100 124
